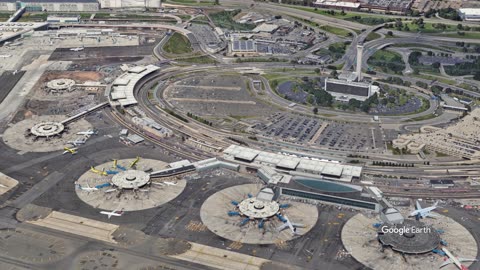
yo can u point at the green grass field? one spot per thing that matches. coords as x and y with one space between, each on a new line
467 34
387 61
224 19
360 17
335 30
372 36
178 44
418 45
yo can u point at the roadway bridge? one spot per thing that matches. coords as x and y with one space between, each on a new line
173 171
83 113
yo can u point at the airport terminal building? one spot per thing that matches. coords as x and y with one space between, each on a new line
345 90
50 5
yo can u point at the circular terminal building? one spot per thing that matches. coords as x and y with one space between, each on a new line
60 85
44 133
407 246
47 129
131 179
127 185
251 214
410 237
256 208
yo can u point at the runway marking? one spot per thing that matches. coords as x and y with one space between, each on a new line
236 245
196 226
281 244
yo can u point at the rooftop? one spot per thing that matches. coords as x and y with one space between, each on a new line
470 11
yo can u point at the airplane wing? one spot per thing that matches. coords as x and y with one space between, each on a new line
282 227
432 215
467 260
298 225
419 207
445 263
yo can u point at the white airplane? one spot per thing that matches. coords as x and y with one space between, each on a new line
115 213
72 151
424 212
456 261
77 142
292 226
88 132
88 188
77 49
110 190
168 183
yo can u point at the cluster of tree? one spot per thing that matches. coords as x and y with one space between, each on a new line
316 95
413 58
270 59
370 20
174 114
394 64
357 156
436 89
396 80
354 104
421 84
449 13
392 164
467 47
398 25
466 68
199 119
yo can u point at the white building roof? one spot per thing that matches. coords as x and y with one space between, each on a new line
289 163
265 27
124 85
338 4
340 172
470 11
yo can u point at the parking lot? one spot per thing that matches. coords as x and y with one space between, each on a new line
206 35
328 134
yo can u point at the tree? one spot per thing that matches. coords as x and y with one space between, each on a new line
390 33
477 76
459 26
315 110
317 70
436 65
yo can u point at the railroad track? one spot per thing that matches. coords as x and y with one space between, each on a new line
438 195
124 123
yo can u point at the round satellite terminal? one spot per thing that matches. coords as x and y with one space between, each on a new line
47 129
130 179
255 208
60 84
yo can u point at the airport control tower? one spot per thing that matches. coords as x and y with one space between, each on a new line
359 62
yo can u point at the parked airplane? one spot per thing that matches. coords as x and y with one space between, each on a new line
72 151
77 142
168 183
77 49
456 261
88 132
102 172
88 188
292 226
424 212
15 72
116 213
134 162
